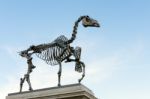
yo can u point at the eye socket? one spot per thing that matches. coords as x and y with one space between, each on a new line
87 19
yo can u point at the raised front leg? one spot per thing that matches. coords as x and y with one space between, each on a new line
79 66
83 74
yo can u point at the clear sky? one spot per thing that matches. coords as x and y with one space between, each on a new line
116 55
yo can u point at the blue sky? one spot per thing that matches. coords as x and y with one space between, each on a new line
116 55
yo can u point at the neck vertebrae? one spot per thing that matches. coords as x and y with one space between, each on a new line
75 30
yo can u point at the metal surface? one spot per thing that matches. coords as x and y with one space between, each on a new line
56 52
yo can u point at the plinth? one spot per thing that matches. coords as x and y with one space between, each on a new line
73 91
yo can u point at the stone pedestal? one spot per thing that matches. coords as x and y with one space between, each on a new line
74 91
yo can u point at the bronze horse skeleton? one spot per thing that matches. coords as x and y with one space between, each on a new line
56 52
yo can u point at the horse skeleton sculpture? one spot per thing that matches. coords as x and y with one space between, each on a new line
56 52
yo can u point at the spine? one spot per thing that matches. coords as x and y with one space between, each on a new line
73 37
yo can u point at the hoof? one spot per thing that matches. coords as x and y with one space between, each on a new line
59 85
30 89
79 80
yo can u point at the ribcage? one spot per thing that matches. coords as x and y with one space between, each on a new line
54 54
